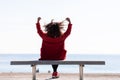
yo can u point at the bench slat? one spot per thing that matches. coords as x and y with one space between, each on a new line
62 62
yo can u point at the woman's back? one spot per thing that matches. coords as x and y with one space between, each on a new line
53 42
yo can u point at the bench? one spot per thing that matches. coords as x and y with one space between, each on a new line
54 62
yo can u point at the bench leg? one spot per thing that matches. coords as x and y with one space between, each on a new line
81 71
33 72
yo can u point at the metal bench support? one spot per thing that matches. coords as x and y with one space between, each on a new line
33 72
81 71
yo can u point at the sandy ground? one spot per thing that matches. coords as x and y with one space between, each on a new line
63 76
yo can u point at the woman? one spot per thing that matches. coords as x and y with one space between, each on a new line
53 42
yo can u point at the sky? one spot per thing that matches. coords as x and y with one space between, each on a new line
95 30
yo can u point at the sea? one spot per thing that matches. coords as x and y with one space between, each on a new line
112 63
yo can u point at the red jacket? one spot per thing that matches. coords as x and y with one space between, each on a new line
53 48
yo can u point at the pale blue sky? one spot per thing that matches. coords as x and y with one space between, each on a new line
96 25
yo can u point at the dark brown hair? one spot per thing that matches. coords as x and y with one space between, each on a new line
53 29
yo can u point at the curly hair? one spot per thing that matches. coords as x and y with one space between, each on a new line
53 29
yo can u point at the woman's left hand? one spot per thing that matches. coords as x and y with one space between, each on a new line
38 19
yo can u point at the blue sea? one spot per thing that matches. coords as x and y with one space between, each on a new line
112 63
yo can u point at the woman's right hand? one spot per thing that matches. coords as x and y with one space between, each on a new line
68 19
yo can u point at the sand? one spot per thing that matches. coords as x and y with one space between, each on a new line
63 76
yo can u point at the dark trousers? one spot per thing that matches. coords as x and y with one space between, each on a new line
54 68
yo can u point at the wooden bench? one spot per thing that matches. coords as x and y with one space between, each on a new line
60 62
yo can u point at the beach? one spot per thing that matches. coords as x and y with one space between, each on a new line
63 76
109 71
